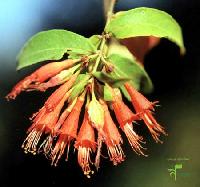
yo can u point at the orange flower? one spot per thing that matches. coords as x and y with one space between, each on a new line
43 123
42 74
125 117
144 109
53 101
85 143
59 93
68 131
64 115
112 137
58 126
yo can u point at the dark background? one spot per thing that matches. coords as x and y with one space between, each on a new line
177 85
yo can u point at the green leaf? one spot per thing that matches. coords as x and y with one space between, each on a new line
145 22
116 48
95 40
75 54
107 93
126 67
79 85
112 78
138 77
52 45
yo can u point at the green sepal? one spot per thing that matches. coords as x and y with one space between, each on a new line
79 85
107 93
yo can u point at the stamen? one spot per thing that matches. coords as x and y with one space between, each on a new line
84 160
153 126
147 118
57 153
134 139
46 146
59 149
31 141
116 154
98 155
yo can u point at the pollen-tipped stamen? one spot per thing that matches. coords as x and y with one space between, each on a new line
113 138
46 146
31 141
98 155
59 149
68 131
115 153
84 160
154 128
134 139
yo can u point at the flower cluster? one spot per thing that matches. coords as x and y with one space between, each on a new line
56 125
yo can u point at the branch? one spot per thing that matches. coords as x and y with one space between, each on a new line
108 9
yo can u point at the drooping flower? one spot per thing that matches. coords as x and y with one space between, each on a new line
85 144
144 109
59 93
96 116
112 138
58 79
55 126
54 99
68 131
39 76
43 123
64 115
125 118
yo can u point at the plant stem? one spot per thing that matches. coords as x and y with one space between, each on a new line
108 10
100 54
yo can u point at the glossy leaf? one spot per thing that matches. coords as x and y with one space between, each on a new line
52 45
125 67
95 40
146 22
112 78
140 46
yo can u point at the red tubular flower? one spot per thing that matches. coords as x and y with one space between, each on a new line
125 117
43 122
54 81
144 109
112 137
85 144
54 99
59 93
42 74
68 131
63 116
